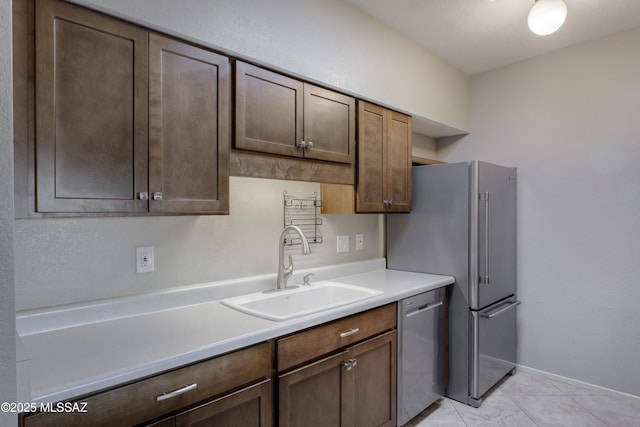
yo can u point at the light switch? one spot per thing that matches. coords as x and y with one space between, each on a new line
343 243
359 241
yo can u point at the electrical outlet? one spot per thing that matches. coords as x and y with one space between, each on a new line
343 243
359 241
144 259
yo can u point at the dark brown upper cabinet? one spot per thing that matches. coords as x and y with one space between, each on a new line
189 91
126 121
384 160
90 111
280 115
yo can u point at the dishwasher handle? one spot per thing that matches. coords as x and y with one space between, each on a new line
426 307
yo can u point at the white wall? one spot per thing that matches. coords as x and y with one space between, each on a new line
7 318
569 122
60 261
327 41
424 146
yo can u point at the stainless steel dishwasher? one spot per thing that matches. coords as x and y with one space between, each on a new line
421 355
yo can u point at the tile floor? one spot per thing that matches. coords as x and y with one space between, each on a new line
526 399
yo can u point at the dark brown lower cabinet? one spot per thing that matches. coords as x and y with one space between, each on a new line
312 396
355 387
249 407
188 396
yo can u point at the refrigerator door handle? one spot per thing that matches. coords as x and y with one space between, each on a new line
511 306
485 197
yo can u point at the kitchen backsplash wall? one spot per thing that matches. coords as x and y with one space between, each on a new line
62 261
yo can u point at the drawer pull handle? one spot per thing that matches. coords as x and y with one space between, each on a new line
349 332
175 393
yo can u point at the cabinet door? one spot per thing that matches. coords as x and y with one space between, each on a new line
91 111
268 111
188 128
316 395
371 170
249 407
329 125
384 160
398 162
374 381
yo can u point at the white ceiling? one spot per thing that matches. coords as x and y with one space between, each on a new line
480 35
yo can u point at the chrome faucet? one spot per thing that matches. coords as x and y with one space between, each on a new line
285 272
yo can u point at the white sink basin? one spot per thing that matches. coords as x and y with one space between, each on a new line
296 302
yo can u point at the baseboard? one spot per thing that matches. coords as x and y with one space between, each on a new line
574 382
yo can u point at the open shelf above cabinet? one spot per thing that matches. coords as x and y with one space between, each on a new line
416 160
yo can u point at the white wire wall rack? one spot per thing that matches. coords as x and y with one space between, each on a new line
305 213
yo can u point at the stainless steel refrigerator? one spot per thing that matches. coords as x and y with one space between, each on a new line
463 224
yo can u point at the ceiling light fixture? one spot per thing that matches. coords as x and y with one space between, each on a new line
547 16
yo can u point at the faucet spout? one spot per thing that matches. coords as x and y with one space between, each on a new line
284 272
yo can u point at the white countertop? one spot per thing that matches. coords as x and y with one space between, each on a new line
85 348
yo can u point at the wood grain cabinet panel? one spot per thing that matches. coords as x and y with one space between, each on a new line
371 166
313 343
374 381
398 162
329 125
281 115
384 160
249 407
314 396
268 111
90 111
189 91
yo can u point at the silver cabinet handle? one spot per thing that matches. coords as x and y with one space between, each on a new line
157 195
351 364
511 306
143 195
178 392
485 196
305 144
349 332
424 308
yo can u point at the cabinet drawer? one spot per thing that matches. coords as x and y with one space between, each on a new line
313 343
250 407
212 377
